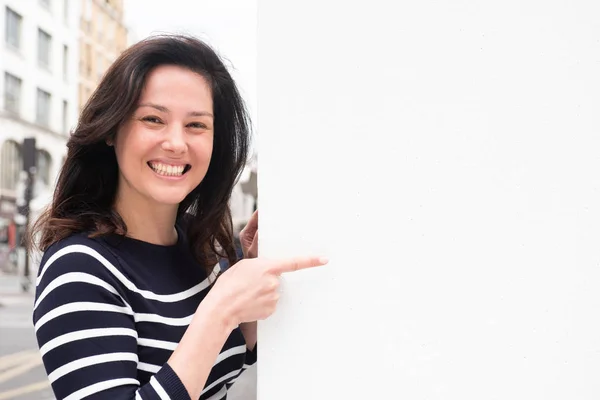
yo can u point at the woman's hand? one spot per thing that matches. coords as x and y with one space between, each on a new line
249 237
249 290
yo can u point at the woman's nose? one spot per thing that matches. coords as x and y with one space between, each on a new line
175 141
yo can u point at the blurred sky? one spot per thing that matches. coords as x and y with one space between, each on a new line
228 25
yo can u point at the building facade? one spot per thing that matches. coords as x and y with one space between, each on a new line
39 58
103 36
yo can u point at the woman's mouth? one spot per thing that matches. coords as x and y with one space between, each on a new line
168 169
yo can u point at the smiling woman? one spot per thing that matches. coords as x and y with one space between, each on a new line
128 304
155 103
165 149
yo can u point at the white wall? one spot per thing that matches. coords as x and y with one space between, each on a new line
445 156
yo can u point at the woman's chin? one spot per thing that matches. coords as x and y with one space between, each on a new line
172 199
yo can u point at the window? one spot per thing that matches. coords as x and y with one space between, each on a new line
11 164
44 162
100 27
45 3
110 31
12 93
13 28
42 116
88 59
81 95
65 116
88 10
65 62
99 65
44 45
87 15
84 96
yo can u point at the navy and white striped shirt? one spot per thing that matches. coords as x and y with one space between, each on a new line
110 311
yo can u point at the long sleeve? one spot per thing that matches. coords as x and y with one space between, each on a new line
87 333
251 356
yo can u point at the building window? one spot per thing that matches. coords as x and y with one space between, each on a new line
65 62
45 4
65 116
44 163
44 46
42 116
88 10
99 66
100 27
81 95
110 31
12 93
13 28
88 60
11 161
87 16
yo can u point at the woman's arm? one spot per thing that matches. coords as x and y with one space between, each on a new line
199 347
88 339
87 335
87 332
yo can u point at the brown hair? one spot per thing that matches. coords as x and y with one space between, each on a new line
87 184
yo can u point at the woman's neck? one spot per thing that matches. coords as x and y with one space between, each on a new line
152 223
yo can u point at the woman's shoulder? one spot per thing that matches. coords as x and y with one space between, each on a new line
77 243
78 253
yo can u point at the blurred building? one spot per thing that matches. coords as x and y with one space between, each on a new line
103 38
244 196
39 58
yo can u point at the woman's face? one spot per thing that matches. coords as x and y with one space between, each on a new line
164 149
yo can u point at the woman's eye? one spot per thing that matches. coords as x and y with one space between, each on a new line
152 120
197 125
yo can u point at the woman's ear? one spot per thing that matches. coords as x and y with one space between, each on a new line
109 141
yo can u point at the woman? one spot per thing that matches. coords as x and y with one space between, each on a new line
127 302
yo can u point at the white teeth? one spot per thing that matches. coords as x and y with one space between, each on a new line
167 170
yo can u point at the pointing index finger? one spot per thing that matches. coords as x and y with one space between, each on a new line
295 264
253 222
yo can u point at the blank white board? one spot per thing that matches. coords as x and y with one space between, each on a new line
446 156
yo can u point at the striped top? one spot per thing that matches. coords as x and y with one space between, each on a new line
109 312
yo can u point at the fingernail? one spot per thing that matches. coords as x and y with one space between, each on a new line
323 260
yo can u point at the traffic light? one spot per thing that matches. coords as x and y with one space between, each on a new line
29 154
29 164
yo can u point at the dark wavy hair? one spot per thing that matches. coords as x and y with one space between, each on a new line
87 184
